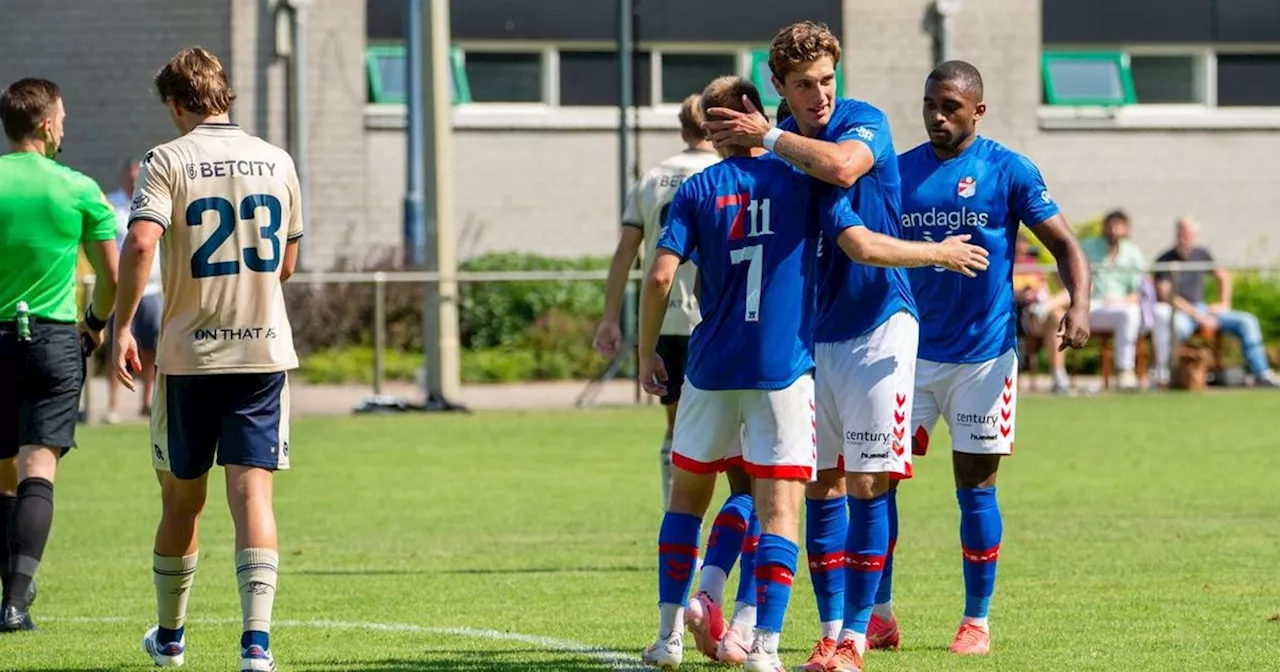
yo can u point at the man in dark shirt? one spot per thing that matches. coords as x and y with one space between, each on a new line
1185 291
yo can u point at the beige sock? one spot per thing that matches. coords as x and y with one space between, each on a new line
174 578
256 574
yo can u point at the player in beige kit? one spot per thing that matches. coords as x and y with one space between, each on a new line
224 208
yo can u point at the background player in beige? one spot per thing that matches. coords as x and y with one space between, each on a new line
226 206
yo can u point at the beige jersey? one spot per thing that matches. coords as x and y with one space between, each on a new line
647 209
229 203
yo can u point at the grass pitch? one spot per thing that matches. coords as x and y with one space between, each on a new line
1141 533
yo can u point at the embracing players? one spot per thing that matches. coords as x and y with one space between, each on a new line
227 205
866 328
961 184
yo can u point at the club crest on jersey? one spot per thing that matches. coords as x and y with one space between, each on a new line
191 171
967 187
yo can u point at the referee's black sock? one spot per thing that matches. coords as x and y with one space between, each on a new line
7 505
32 519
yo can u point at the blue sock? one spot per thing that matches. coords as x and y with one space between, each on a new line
884 593
727 533
826 531
980 532
747 577
167 636
255 638
868 543
776 559
677 555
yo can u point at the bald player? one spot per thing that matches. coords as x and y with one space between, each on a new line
227 206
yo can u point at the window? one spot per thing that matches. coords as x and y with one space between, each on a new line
387 67
683 74
1248 80
1161 79
495 77
590 78
1087 78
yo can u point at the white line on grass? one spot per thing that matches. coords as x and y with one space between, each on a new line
612 660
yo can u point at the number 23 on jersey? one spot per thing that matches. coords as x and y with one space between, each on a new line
202 267
752 255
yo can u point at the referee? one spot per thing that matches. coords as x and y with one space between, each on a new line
46 211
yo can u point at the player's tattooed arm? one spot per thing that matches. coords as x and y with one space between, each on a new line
839 164
1073 267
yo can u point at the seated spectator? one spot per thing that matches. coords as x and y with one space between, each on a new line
1185 291
1118 267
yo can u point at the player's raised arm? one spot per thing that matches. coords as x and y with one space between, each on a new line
835 163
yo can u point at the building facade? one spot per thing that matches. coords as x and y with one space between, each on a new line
535 164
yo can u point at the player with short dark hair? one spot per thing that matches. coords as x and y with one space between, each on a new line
749 370
222 392
46 211
961 184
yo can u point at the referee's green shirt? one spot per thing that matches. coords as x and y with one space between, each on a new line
46 210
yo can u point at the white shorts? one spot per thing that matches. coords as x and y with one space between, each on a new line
977 400
864 390
773 428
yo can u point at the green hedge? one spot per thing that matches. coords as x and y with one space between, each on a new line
501 313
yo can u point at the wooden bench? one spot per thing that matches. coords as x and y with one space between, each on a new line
1107 366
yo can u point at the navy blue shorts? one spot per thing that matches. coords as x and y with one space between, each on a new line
232 418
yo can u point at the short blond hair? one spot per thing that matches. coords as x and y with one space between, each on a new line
691 118
195 80
728 91
801 43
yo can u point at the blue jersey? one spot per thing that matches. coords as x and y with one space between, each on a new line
748 221
854 298
983 192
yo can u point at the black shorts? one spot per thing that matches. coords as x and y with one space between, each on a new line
673 350
40 396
